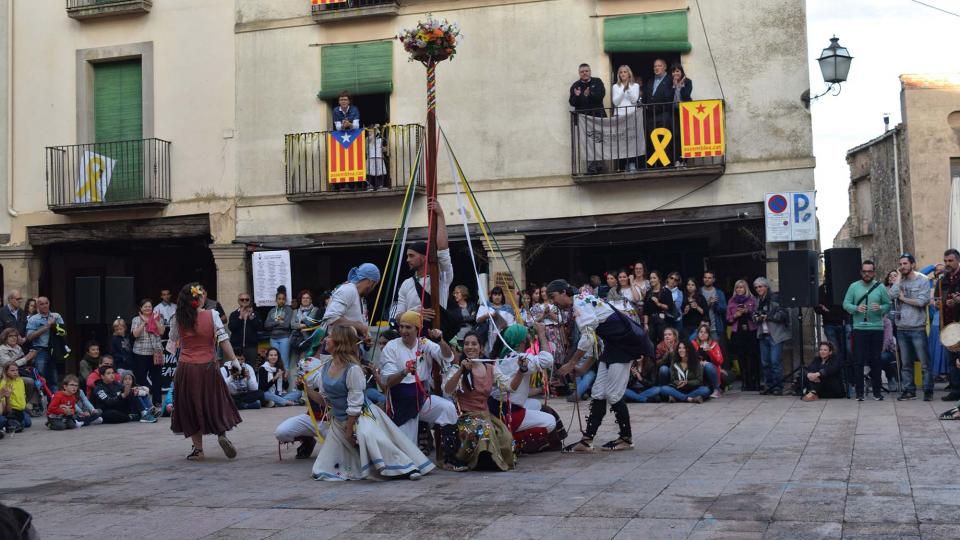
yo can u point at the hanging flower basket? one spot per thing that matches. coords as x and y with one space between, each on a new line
433 40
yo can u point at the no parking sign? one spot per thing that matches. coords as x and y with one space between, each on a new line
790 216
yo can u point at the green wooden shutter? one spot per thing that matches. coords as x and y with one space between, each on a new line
651 32
118 116
359 68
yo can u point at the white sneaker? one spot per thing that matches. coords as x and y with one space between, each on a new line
715 395
98 420
415 475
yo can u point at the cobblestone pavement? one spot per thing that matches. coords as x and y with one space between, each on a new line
740 467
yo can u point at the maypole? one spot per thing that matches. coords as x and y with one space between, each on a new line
431 42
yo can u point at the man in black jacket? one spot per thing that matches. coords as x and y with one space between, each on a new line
244 326
586 97
658 98
11 316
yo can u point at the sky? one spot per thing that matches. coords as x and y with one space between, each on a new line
886 38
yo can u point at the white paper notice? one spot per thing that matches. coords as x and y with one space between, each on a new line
270 270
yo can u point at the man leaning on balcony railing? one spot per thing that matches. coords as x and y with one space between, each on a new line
586 97
346 116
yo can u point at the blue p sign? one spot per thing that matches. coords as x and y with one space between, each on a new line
800 204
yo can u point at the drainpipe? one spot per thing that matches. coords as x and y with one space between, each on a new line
896 189
10 209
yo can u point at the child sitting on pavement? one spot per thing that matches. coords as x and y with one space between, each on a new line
13 399
63 412
118 402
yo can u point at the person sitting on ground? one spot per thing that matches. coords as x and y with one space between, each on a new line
64 412
686 378
13 399
703 343
91 359
642 386
86 413
10 351
105 360
272 378
666 354
116 400
242 384
121 345
142 393
481 438
824 375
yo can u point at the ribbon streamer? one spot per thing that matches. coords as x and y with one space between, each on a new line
660 138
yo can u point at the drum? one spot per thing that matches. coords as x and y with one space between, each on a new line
950 337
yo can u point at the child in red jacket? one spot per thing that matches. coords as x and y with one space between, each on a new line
63 406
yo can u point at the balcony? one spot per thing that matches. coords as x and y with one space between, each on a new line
93 9
306 165
612 145
108 175
353 9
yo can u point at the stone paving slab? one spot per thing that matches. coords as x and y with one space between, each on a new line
744 466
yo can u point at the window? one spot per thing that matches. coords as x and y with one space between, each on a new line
118 116
363 69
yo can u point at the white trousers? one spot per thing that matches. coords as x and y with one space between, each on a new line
535 418
435 410
611 382
298 426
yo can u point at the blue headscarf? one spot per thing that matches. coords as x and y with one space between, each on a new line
362 272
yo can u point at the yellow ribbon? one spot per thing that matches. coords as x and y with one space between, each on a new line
94 172
660 138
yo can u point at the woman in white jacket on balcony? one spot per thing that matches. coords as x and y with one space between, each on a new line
626 96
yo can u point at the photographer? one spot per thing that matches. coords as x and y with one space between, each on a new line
244 326
773 330
242 384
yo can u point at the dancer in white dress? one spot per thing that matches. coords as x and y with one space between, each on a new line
362 442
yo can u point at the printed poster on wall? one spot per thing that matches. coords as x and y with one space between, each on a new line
270 270
790 216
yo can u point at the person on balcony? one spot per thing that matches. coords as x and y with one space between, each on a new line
346 117
586 97
682 90
658 96
626 96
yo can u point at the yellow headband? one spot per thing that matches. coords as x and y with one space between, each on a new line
412 318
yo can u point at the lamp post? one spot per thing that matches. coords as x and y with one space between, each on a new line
834 66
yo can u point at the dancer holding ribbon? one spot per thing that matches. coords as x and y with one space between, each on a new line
406 372
361 440
623 342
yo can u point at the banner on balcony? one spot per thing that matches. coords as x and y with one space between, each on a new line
321 2
94 179
615 137
701 128
346 156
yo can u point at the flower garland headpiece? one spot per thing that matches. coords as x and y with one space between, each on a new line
196 291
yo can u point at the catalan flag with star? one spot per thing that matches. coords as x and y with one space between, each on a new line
701 128
321 2
346 156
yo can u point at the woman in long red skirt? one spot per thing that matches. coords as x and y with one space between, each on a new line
201 402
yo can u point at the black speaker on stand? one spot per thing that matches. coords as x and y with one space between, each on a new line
87 300
842 267
798 275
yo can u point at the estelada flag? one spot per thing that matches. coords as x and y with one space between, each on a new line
346 156
318 2
701 128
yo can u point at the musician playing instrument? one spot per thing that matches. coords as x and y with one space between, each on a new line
947 297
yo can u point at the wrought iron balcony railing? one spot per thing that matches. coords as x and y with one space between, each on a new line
649 140
391 156
91 9
353 9
94 176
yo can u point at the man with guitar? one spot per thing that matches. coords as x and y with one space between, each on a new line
867 302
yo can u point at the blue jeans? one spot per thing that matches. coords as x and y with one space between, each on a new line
585 382
640 397
20 416
710 375
46 366
282 399
770 362
670 391
375 396
913 346
145 403
282 345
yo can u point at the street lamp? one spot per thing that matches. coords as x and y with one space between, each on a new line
834 65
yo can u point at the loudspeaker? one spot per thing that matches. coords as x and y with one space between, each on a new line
87 300
119 298
842 269
798 278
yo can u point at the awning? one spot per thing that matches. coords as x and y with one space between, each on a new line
359 68
650 32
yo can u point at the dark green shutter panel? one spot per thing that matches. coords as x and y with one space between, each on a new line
651 32
118 113
359 68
